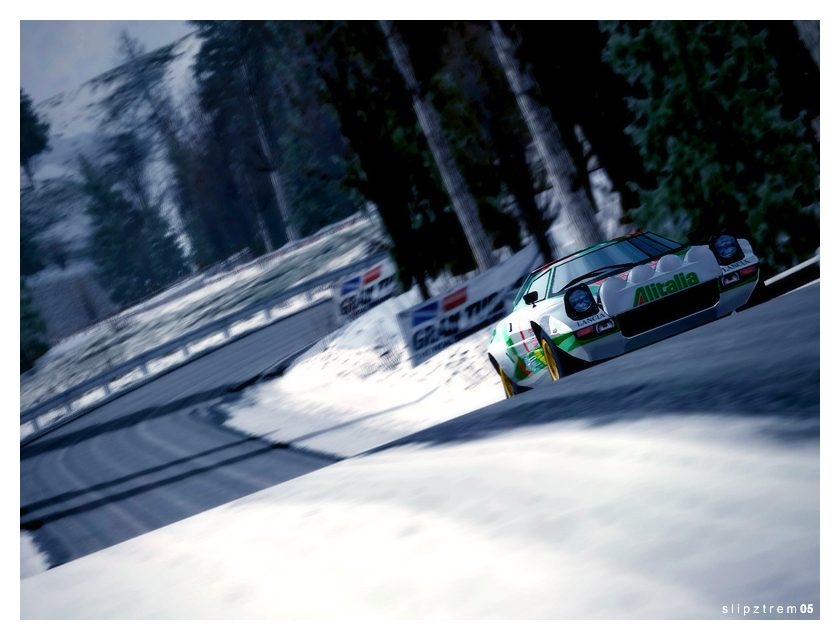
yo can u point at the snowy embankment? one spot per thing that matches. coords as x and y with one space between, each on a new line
656 518
357 389
32 559
513 511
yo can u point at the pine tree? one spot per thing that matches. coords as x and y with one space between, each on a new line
137 99
34 135
258 90
235 65
32 331
710 128
56 199
311 149
133 248
225 219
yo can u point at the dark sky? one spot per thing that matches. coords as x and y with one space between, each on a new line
60 55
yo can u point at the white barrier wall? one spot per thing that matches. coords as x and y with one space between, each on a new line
439 322
364 289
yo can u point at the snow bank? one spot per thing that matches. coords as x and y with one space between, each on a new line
356 389
32 559
652 519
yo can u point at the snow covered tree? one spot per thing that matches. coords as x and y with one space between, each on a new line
134 249
137 99
33 343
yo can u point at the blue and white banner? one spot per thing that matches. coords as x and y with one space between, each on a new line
360 291
439 322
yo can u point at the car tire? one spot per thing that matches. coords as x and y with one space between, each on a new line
507 384
552 359
557 365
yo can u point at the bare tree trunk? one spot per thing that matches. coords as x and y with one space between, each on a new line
462 201
273 173
558 162
809 33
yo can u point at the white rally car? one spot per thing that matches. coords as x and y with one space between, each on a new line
614 297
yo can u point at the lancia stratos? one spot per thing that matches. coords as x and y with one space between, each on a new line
614 297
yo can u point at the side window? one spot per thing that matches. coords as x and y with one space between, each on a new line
540 285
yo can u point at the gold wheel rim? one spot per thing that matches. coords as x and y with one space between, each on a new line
550 362
506 383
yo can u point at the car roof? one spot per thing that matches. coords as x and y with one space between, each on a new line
582 252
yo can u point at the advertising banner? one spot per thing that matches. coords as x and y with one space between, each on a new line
439 322
360 291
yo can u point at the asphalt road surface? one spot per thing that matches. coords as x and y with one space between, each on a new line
154 455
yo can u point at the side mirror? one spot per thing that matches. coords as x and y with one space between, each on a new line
531 297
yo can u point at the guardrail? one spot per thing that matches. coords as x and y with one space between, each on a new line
795 277
196 281
176 352
787 281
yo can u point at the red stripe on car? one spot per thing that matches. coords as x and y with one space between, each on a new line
525 342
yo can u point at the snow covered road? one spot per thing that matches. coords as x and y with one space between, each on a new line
154 456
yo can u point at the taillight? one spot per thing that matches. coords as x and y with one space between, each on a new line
586 332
